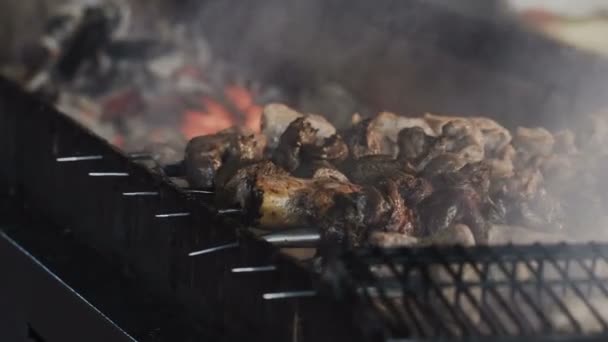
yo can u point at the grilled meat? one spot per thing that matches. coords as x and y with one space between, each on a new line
394 181
333 149
204 157
369 168
414 144
362 140
206 154
277 117
299 133
459 198
300 145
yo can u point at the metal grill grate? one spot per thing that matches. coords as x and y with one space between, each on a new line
507 291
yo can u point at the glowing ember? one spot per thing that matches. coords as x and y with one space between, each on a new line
214 116
212 119
243 101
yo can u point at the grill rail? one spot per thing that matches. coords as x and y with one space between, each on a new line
532 291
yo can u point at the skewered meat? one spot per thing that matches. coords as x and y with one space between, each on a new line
533 142
399 181
297 134
503 234
344 211
414 144
458 198
355 215
330 173
362 140
389 239
205 154
491 135
458 234
277 200
369 168
372 170
277 117
388 125
495 136
332 148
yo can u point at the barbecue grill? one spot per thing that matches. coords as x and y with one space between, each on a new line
87 224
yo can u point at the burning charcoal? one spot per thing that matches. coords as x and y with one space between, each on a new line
137 49
166 65
91 36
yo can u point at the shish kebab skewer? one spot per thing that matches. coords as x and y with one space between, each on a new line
387 180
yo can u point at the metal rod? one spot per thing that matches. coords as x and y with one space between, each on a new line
78 158
254 269
206 192
184 214
289 294
286 238
374 292
140 193
140 155
108 174
214 249
229 211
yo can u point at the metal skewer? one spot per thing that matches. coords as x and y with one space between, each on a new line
214 249
289 294
108 174
140 193
140 155
206 192
252 269
229 211
168 215
78 158
296 238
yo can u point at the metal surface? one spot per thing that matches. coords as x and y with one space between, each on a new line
538 291
43 305
125 231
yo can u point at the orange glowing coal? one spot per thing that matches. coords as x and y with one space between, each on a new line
239 110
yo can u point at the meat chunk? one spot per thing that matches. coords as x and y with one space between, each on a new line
369 168
206 154
533 142
458 198
333 148
388 125
277 117
204 157
362 140
414 144
298 134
